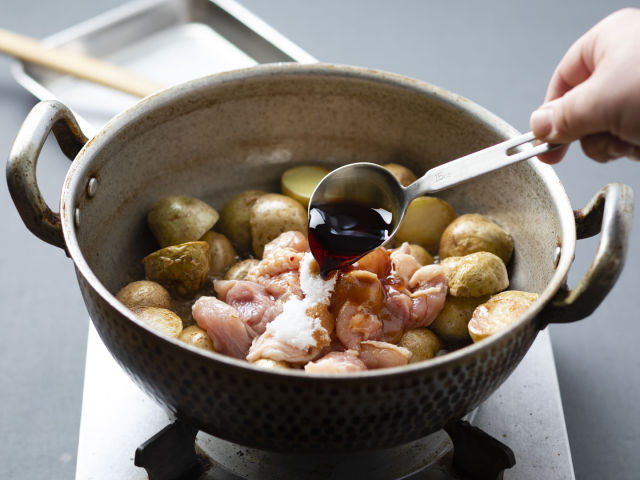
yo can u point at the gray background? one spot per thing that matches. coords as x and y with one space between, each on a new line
498 54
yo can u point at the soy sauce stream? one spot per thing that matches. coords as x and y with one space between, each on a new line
340 233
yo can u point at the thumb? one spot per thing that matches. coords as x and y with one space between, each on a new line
579 112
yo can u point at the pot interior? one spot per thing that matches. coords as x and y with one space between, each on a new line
223 134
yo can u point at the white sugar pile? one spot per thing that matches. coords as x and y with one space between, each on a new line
294 326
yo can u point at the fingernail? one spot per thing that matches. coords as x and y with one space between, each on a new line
542 122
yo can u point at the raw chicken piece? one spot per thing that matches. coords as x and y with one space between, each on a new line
336 362
395 314
271 345
223 324
282 286
292 239
383 355
376 262
278 271
428 287
404 265
255 306
355 323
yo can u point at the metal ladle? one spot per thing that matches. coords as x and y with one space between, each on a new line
376 187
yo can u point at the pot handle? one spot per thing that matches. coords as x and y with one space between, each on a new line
45 117
609 213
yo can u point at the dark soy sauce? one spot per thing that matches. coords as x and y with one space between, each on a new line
339 233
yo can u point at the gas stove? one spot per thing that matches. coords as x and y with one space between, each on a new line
519 433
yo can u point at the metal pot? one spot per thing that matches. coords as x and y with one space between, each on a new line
217 135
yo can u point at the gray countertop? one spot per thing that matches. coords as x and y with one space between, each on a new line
498 54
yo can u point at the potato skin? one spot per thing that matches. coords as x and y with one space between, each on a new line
425 220
451 323
221 253
475 275
404 175
234 220
472 233
160 319
144 293
239 271
421 342
179 218
273 214
196 336
499 312
183 268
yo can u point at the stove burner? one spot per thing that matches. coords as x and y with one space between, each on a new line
170 454
463 452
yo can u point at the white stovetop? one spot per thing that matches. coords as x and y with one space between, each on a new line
525 413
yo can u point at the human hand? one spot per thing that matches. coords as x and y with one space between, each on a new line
594 93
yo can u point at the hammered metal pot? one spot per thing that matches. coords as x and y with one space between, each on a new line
240 130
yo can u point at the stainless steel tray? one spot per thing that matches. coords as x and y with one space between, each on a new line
168 41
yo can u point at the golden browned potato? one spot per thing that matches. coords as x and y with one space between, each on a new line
403 174
300 182
273 214
474 275
234 220
144 293
472 233
239 270
424 222
182 268
160 319
499 312
271 364
451 323
421 342
221 253
197 337
178 219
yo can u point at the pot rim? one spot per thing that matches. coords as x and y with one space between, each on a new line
78 174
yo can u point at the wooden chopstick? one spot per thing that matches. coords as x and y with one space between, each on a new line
77 64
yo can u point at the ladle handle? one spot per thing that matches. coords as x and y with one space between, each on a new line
475 164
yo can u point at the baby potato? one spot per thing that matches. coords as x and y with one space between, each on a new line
239 270
472 233
424 222
499 312
178 219
221 253
160 319
475 275
421 342
197 337
234 220
300 182
451 323
181 268
403 174
144 293
273 214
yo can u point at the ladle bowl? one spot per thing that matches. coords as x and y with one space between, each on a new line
375 187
